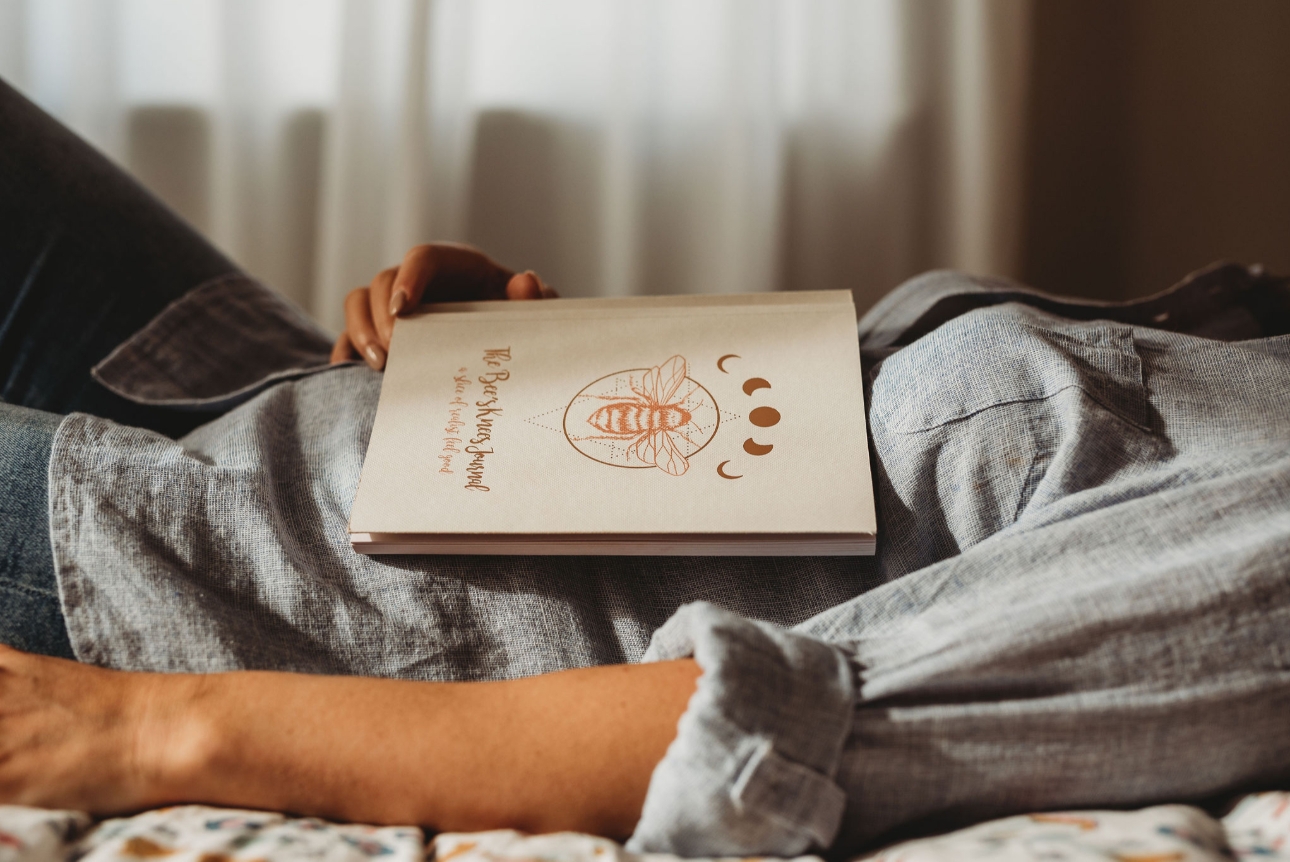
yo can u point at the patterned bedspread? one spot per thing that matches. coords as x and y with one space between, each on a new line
1258 827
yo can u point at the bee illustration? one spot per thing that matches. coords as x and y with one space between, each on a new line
654 420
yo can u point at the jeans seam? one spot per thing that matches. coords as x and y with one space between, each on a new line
15 586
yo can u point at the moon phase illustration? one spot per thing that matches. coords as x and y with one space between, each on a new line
721 471
762 417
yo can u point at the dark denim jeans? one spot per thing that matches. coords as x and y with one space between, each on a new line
87 258
30 618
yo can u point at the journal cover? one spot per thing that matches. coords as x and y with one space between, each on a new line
664 425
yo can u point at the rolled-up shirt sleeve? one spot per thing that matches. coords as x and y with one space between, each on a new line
753 764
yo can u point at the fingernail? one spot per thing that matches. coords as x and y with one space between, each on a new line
537 279
397 302
375 356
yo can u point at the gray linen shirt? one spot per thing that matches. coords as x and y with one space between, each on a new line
1081 595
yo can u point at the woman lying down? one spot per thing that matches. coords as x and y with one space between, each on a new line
1080 598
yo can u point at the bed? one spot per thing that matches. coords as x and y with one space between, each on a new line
1256 826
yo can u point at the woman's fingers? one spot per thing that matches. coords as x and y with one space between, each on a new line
547 291
444 272
380 306
343 349
76 736
439 272
528 285
449 272
524 285
360 329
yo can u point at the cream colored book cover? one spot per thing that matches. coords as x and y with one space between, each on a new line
668 425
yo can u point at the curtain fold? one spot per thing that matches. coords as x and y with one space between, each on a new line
639 146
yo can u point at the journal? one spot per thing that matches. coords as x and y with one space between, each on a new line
729 425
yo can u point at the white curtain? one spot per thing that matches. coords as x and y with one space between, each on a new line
615 146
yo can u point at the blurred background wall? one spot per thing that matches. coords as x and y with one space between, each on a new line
1159 140
1097 147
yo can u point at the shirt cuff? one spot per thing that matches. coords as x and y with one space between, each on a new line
751 769
218 345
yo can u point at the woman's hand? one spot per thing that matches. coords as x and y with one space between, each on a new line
75 736
438 272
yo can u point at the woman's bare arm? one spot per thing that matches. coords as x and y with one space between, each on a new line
571 750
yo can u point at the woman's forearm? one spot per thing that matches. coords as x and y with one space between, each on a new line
571 750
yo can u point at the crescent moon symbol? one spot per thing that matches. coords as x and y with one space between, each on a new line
723 474
721 362
752 384
752 447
